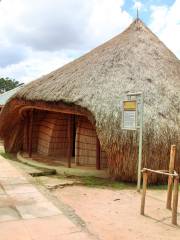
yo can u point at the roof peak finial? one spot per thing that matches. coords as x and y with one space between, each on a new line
137 14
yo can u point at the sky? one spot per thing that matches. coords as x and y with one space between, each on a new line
39 36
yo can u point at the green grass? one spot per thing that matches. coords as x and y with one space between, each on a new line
7 155
95 182
104 183
157 187
91 181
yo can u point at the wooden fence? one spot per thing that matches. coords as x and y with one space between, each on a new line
173 178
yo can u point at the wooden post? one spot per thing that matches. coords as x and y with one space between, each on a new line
30 134
170 178
175 200
69 136
77 142
143 198
98 155
172 158
26 132
169 192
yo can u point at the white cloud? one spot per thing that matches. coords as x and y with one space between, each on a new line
45 24
41 34
138 5
107 19
36 65
165 21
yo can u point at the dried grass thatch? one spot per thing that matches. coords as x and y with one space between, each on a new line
136 60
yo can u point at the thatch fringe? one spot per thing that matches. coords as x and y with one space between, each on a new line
156 154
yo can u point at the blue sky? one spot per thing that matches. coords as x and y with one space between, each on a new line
40 36
146 7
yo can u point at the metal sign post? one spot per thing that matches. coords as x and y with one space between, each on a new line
133 120
140 144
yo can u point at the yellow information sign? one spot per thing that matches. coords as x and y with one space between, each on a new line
129 105
129 120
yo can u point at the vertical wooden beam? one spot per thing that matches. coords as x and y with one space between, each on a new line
172 158
98 154
30 133
73 135
170 178
26 132
143 198
169 192
175 200
78 131
69 136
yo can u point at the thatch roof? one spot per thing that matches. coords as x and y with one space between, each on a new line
136 60
4 97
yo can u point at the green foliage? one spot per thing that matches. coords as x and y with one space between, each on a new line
7 84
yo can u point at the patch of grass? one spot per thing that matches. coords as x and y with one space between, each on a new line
96 182
7 155
157 187
105 183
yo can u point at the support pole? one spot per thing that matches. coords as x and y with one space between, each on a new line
140 144
169 192
69 136
175 200
98 155
170 178
78 131
26 132
30 133
143 198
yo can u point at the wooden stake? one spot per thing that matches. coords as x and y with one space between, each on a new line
172 158
98 156
170 178
175 200
69 135
169 192
145 179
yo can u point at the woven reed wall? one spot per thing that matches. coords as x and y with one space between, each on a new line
86 138
52 135
59 143
49 137
38 117
14 142
46 126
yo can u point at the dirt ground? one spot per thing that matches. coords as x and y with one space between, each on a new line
114 214
103 213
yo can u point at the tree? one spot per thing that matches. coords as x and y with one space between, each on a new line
7 84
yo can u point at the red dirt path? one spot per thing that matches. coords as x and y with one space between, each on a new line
114 215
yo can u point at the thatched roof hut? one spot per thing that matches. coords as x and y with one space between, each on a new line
94 86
